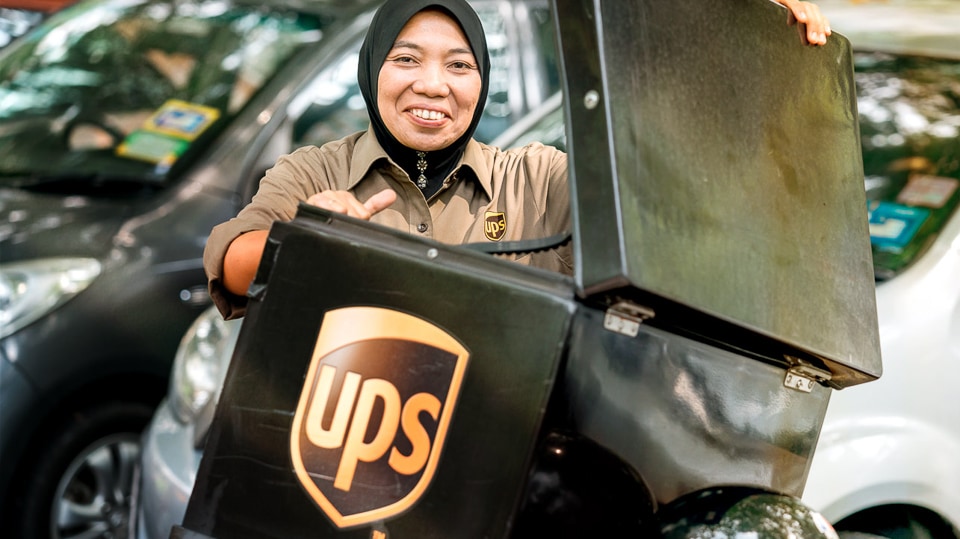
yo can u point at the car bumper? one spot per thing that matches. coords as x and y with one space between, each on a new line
169 463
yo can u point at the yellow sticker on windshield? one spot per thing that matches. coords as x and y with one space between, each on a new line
181 119
168 132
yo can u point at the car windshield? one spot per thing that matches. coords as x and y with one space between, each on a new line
122 89
909 126
15 22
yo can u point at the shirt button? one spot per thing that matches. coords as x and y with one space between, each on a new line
422 227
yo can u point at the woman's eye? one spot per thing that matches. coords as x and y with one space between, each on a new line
461 66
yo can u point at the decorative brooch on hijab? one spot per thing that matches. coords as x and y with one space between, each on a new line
421 168
431 169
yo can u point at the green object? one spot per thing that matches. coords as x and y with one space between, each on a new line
152 147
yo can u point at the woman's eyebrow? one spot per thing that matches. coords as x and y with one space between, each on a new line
401 44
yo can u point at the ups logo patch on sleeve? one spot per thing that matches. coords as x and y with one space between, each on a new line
374 411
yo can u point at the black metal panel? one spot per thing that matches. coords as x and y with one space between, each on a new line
716 164
688 416
247 485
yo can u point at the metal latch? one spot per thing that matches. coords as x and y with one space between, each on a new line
625 318
802 376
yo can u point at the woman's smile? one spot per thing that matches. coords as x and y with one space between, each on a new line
431 115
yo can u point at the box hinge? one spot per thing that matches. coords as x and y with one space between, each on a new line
625 318
802 376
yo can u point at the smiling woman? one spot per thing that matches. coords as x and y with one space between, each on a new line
424 73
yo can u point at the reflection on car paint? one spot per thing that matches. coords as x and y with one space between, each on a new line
909 110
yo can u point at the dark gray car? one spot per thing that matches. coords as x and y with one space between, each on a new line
128 129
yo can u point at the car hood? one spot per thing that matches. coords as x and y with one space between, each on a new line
36 225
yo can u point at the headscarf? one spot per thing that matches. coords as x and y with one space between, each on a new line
382 34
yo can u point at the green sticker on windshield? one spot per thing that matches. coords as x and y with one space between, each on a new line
168 132
152 147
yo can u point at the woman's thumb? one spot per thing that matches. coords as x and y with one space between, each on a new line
380 201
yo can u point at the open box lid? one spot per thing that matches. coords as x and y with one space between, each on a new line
717 177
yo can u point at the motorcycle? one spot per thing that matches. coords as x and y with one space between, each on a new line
386 385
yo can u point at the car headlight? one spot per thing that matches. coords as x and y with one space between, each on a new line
200 366
31 289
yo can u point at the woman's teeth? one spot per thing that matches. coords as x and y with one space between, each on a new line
428 114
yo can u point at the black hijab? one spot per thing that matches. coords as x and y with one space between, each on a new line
383 32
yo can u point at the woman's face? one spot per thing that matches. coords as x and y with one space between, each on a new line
429 84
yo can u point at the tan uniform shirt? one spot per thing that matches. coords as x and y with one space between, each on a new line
493 195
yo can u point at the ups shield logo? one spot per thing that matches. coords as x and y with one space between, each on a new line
374 411
494 225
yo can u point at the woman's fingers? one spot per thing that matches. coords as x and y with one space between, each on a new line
346 203
380 201
818 27
329 201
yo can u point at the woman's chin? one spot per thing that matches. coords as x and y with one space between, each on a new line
427 144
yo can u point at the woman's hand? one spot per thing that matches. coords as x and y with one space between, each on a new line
243 255
818 27
344 202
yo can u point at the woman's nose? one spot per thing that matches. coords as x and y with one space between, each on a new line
432 82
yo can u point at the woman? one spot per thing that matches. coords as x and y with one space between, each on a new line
424 73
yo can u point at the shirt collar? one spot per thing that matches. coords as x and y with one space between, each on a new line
473 159
368 152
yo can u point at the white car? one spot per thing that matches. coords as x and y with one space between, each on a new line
887 459
888 453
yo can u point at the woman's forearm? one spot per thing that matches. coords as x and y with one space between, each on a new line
242 259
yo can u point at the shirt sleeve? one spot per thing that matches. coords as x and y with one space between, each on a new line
284 186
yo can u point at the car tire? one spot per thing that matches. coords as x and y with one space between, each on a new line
81 484
894 522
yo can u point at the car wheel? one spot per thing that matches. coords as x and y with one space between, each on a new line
894 522
84 475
